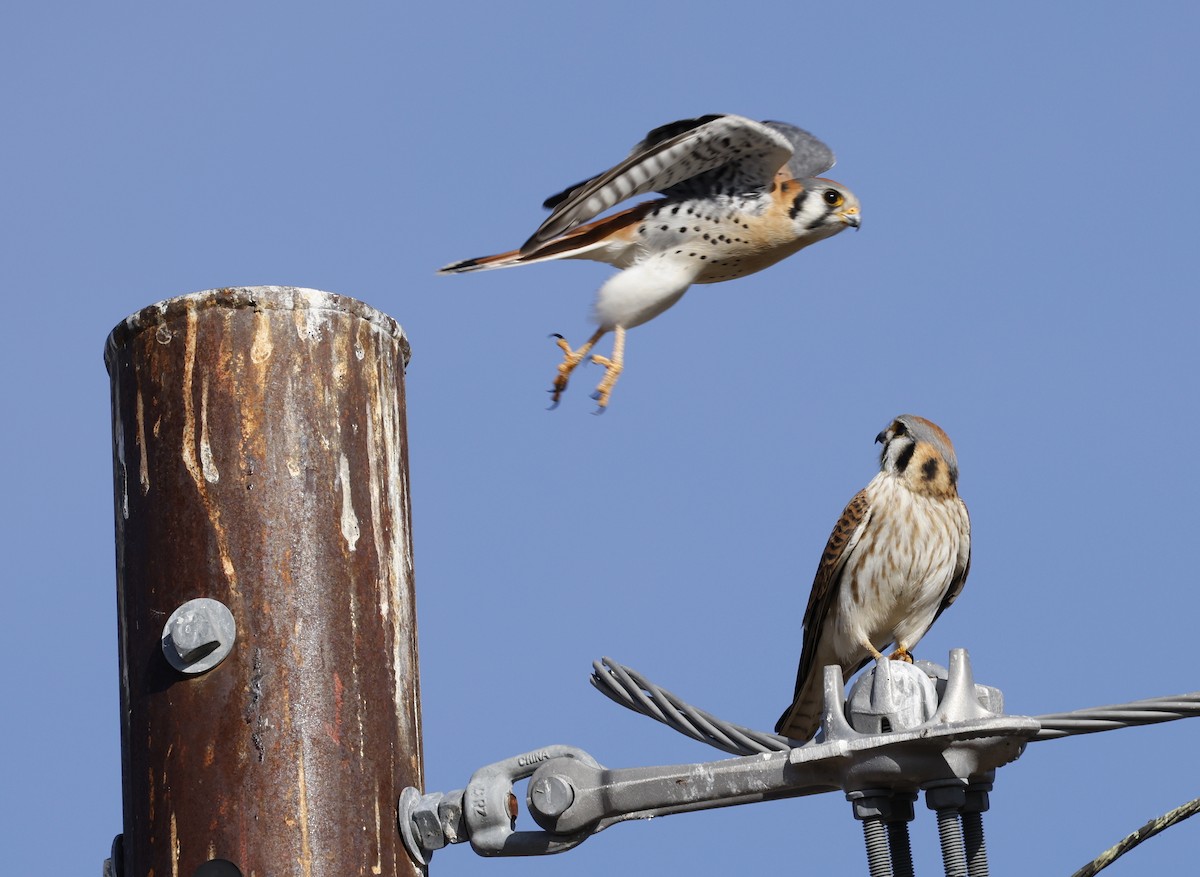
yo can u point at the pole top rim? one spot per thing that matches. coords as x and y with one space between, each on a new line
258 298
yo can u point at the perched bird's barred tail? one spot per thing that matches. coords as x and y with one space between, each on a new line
801 720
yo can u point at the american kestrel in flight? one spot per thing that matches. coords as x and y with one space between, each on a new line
738 196
897 558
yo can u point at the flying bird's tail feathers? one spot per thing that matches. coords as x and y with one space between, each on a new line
482 263
596 240
514 257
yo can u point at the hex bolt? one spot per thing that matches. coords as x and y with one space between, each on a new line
900 847
879 859
412 829
450 815
948 800
873 807
551 795
976 849
114 866
972 821
954 856
899 843
198 635
428 829
195 635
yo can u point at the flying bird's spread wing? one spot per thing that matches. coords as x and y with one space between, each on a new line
845 536
730 209
810 157
701 156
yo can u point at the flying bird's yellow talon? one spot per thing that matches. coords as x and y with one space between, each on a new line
613 366
571 359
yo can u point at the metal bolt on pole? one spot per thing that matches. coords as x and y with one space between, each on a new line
198 635
269 697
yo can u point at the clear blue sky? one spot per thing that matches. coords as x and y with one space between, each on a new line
1025 276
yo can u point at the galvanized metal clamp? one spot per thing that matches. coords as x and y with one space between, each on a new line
907 730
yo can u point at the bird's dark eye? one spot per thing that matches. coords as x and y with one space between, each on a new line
833 198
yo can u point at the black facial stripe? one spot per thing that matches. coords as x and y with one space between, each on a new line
798 204
820 221
905 457
929 468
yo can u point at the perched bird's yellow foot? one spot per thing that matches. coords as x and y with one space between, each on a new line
571 358
901 654
613 366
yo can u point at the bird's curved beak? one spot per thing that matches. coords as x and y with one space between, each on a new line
851 218
881 438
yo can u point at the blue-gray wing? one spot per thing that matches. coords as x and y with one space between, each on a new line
810 156
689 157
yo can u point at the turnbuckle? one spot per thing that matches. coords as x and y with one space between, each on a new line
485 812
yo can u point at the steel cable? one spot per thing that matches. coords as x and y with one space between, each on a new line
634 691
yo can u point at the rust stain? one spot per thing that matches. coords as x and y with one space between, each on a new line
174 847
335 729
261 347
119 447
208 465
143 461
377 867
306 857
350 528
189 452
340 361
285 712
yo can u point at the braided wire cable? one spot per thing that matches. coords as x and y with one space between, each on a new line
1106 718
634 691
1147 831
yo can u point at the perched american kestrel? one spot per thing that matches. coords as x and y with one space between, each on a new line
897 558
739 195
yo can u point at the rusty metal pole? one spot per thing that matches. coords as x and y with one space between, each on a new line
260 458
